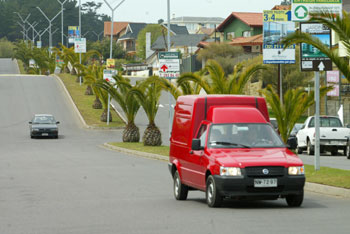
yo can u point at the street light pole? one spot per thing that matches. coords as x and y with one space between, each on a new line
111 48
169 45
24 23
62 3
50 24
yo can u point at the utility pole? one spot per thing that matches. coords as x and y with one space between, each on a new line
169 47
62 3
24 24
50 24
111 47
97 35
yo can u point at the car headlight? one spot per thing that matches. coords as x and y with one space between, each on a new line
230 171
296 170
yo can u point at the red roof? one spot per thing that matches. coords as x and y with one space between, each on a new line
254 40
117 27
249 18
282 7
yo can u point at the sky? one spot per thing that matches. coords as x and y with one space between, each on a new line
150 11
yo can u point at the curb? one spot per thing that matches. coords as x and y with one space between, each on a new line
72 102
137 153
310 187
79 114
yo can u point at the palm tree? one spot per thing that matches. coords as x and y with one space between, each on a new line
92 74
214 80
295 103
340 25
129 105
148 93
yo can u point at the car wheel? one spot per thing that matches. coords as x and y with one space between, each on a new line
334 152
347 151
295 200
31 136
214 199
310 150
180 190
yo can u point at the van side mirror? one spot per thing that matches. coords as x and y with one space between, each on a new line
196 144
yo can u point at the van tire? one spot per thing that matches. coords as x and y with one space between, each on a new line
180 190
347 154
214 199
295 200
334 152
299 150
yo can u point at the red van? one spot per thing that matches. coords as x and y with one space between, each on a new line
225 145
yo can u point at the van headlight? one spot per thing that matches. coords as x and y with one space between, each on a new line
296 170
230 171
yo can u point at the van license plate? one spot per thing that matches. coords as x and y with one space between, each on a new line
264 183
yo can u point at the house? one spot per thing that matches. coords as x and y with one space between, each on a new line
241 24
128 40
176 29
193 24
119 29
186 44
250 44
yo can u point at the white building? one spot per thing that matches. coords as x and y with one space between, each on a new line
193 24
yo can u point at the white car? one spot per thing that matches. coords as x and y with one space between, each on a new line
333 135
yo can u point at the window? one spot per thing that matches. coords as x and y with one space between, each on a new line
230 35
247 33
202 134
326 122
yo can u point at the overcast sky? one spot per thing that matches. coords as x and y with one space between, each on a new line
150 11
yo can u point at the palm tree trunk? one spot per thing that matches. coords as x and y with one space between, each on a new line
97 104
152 136
131 133
88 90
103 117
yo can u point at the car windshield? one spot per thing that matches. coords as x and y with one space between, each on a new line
296 128
327 122
243 135
44 120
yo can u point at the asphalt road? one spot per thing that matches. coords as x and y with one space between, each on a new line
74 186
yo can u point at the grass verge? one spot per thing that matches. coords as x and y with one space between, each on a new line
84 104
327 176
21 67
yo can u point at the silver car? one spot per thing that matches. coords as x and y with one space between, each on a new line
43 125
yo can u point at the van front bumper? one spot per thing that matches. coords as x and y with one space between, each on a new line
244 186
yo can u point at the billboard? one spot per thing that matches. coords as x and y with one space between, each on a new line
301 9
277 25
169 64
80 45
312 59
73 32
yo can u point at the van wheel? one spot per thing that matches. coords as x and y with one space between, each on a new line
334 152
310 150
180 190
347 154
295 200
299 150
214 199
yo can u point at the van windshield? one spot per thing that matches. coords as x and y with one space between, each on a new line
249 135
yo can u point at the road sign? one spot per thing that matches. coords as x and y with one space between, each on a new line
333 76
277 25
301 9
80 45
169 64
311 58
110 63
38 44
108 75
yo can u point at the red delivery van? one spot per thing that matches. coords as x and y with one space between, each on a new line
225 145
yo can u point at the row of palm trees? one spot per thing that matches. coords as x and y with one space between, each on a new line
211 79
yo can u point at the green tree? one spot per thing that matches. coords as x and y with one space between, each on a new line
223 53
129 105
214 81
295 103
148 93
156 30
341 26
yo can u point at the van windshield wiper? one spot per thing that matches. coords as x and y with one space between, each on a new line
228 143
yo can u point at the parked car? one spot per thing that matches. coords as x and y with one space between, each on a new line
225 145
43 125
333 135
292 139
